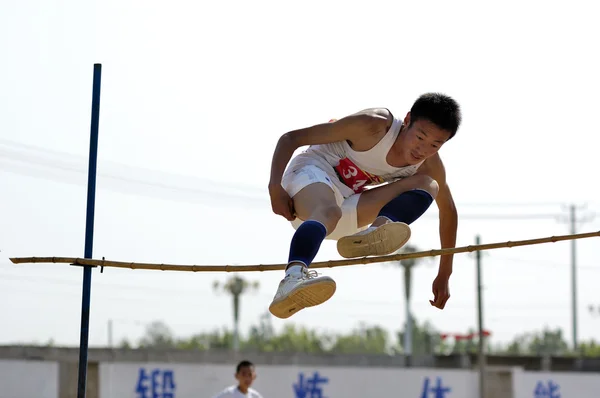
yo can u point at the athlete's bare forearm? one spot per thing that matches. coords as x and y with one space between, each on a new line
448 231
448 226
448 215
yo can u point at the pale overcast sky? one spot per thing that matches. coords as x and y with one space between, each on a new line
194 98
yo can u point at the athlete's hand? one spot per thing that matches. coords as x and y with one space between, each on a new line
281 202
441 291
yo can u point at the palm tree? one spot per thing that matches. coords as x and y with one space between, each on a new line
236 286
408 265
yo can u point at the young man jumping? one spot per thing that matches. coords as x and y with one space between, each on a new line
363 180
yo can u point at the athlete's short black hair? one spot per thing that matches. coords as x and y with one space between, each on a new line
243 364
440 109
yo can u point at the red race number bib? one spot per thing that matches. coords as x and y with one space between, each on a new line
354 177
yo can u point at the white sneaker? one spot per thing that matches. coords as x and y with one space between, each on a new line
375 241
298 291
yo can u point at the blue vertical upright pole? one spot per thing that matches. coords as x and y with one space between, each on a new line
89 234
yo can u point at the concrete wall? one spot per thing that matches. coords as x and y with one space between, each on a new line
69 376
499 383
457 361
499 376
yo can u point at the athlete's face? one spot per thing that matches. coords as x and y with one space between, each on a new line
421 140
246 376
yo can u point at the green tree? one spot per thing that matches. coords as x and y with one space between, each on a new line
589 349
544 342
297 339
125 344
261 335
426 340
362 340
466 345
157 335
217 340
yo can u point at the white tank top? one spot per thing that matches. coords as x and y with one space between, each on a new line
353 171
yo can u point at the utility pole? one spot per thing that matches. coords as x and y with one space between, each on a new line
110 333
408 264
573 230
481 350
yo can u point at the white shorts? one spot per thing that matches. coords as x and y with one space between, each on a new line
294 180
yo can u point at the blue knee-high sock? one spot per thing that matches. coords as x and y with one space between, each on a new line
408 206
306 242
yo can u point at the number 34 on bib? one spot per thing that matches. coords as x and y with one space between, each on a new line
352 176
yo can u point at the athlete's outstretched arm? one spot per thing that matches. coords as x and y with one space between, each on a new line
448 226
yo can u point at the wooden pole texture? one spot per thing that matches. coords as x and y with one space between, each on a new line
278 267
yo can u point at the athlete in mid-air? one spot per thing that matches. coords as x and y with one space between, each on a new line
362 181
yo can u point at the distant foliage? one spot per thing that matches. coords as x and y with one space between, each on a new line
364 339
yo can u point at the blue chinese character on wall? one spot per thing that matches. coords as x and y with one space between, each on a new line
310 387
546 390
437 391
157 383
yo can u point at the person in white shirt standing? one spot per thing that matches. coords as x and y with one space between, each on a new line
245 374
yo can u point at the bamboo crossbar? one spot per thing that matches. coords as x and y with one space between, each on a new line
322 264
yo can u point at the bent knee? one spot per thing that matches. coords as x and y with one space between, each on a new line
426 183
329 214
332 213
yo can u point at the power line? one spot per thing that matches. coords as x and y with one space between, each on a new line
170 191
195 182
37 167
544 264
184 294
80 166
